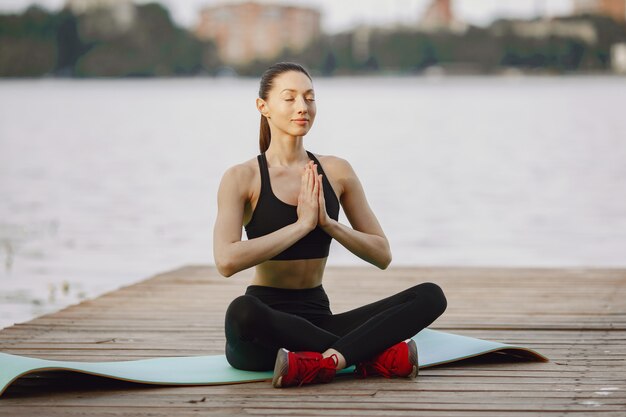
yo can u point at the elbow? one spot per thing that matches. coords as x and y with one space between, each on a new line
225 270
385 260
225 266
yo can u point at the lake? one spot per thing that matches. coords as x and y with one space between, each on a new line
106 182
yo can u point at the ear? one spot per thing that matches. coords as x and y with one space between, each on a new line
261 105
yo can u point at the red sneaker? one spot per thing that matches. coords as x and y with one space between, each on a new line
398 360
297 368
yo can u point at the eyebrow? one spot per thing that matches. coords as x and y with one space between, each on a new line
289 89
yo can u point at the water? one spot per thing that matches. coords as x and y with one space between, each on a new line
106 182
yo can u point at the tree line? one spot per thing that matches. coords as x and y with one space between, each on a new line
40 43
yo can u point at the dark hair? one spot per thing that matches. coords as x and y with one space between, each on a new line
265 136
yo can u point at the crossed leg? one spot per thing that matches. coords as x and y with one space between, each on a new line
372 328
254 331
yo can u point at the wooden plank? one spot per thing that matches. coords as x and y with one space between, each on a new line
576 316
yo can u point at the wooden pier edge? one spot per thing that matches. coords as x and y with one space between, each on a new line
575 316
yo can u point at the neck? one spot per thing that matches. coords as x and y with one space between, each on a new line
286 151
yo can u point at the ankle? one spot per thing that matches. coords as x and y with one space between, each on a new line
298 368
340 360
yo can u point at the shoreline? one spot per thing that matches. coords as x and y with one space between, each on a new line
23 311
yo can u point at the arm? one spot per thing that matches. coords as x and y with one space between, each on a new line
230 252
366 238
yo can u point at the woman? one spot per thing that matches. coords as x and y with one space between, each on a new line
289 199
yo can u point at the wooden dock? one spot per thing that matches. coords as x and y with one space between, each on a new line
576 317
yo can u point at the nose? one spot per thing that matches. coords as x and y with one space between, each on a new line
301 105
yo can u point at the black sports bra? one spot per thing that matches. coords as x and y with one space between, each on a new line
271 214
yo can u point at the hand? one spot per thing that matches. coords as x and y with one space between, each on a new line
308 208
323 219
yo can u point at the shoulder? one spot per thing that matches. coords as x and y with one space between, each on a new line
337 168
239 177
335 165
339 172
244 171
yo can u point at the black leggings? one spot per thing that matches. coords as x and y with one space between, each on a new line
266 319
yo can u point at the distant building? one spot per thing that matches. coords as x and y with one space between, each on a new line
102 19
543 29
248 30
361 42
613 8
439 16
618 58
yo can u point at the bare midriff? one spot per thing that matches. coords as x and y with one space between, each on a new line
294 274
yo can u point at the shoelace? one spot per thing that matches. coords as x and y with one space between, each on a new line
384 368
311 371
384 364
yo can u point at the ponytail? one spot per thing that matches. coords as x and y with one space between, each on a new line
265 135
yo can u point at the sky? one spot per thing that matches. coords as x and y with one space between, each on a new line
338 15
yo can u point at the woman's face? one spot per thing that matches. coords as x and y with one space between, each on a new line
290 104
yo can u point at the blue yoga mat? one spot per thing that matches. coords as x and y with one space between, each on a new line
434 348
